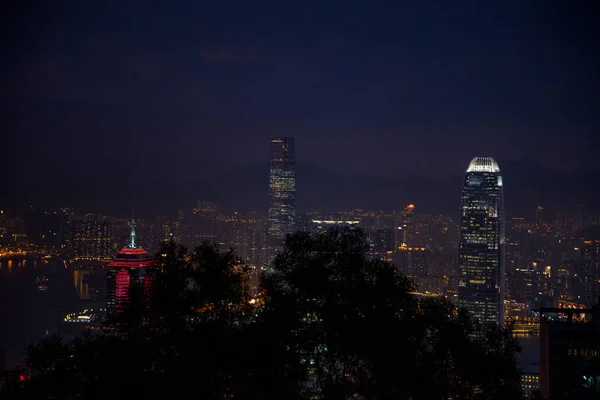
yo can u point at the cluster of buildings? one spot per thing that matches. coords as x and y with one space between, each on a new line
543 274
530 272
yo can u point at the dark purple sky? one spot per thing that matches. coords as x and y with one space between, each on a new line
382 88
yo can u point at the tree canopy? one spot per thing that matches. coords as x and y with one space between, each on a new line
332 324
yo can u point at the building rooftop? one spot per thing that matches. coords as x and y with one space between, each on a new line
132 257
483 164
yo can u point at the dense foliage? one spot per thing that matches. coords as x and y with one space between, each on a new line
334 325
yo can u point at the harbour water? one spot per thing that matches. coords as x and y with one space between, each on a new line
28 314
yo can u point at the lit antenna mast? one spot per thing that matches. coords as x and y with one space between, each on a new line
132 235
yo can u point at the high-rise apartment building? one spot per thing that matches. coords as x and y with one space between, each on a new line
570 353
481 277
412 262
282 189
381 245
590 256
90 238
405 228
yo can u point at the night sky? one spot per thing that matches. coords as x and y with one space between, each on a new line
133 89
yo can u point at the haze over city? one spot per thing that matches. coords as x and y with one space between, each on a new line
389 90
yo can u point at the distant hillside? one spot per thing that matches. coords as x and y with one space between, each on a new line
526 186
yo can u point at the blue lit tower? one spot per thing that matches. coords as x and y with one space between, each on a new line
282 189
481 250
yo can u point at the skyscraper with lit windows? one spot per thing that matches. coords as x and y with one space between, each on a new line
282 189
481 277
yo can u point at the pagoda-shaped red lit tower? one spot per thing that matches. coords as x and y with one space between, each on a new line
131 264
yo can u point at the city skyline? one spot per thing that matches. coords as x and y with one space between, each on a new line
459 259
304 224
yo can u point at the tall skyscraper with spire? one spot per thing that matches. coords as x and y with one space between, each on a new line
481 278
282 189
131 265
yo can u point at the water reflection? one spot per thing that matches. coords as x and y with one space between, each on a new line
89 283
32 307
81 284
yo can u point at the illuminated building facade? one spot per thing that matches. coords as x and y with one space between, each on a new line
132 264
481 277
90 238
570 353
405 222
590 255
412 262
381 245
323 225
530 382
282 189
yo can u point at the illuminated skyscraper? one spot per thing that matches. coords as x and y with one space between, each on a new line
131 264
481 250
282 189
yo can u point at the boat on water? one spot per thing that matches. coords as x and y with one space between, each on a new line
42 283
88 320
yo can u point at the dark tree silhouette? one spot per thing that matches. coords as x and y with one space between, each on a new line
334 325
359 333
